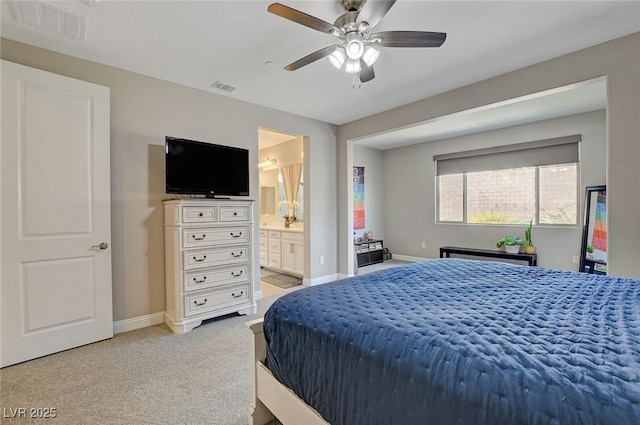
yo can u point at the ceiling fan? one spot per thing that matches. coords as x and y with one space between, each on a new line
356 44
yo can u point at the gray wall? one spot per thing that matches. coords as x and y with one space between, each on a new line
409 187
374 201
143 111
617 60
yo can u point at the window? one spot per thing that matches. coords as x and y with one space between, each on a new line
510 184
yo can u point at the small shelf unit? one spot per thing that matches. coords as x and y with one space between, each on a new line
369 252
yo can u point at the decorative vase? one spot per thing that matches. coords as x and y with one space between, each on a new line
512 249
286 223
530 249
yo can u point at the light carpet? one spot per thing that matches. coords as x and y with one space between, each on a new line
146 376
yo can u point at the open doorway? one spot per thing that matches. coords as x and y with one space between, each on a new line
281 206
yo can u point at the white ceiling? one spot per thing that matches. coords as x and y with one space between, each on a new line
196 43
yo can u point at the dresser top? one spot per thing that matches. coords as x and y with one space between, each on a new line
205 201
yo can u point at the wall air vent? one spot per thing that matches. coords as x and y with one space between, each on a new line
52 19
222 86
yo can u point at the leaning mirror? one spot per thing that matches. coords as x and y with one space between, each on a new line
593 254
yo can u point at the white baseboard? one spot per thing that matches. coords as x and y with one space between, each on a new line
410 258
138 322
320 280
257 295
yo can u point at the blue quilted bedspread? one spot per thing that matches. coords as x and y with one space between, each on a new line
455 341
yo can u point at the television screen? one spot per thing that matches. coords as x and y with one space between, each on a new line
199 168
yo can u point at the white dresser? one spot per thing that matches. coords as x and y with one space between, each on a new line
208 260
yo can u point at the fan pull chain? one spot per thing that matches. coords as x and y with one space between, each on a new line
356 82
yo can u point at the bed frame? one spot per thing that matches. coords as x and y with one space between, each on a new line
271 399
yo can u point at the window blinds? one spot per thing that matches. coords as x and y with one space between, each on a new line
559 150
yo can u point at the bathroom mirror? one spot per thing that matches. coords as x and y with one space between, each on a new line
593 254
267 200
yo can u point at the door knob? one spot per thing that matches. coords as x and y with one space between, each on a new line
101 245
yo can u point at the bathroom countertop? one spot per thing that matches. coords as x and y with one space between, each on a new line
299 227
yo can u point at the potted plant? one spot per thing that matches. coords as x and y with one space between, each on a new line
288 219
290 216
590 251
528 245
511 244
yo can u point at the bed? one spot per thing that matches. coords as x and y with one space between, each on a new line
452 341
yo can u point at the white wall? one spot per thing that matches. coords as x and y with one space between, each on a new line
617 60
409 186
143 111
374 201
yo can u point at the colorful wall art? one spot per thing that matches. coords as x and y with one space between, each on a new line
358 198
599 238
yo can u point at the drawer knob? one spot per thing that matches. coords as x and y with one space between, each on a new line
238 255
235 213
200 214
197 304
200 281
199 260
236 235
234 274
198 238
234 295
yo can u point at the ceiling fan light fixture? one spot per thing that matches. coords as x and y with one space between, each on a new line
338 57
354 46
370 55
353 66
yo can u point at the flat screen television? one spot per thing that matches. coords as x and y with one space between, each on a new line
199 168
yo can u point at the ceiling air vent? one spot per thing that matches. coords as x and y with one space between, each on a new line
52 18
219 85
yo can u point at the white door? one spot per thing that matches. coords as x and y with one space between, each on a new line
55 280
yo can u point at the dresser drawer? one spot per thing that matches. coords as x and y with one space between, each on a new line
264 244
202 214
274 234
218 256
193 238
264 258
215 277
215 300
235 213
264 233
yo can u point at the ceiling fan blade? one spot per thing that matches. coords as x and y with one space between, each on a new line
366 72
374 10
302 18
319 54
410 38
